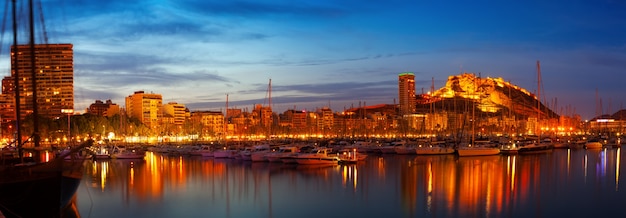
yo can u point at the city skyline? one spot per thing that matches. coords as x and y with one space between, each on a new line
335 53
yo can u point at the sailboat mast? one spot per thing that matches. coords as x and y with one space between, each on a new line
33 73
16 82
538 89
226 120
269 101
269 88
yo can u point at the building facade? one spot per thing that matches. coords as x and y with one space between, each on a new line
177 111
54 80
147 107
406 93
212 122
104 109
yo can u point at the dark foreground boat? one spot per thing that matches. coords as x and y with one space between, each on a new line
40 189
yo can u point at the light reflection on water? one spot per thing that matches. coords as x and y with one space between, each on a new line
561 183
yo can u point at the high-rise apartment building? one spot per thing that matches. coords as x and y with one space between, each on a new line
147 107
54 69
406 93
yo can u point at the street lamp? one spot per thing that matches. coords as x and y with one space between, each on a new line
68 112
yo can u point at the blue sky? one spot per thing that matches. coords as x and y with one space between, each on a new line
337 53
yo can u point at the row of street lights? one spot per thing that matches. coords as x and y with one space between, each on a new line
69 112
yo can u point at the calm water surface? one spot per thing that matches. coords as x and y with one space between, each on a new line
562 183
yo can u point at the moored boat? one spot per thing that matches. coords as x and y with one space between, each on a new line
42 189
100 152
203 150
283 151
478 149
318 156
593 144
535 148
249 155
224 153
121 152
351 156
433 149
545 145
509 148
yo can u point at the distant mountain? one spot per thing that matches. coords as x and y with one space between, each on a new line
489 96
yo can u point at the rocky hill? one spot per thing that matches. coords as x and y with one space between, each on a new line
488 96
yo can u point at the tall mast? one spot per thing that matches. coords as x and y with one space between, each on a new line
538 97
226 119
269 88
33 73
16 84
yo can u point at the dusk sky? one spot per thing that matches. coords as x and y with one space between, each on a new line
337 53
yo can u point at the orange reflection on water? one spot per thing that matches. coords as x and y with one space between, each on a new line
103 174
617 163
349 173
475 184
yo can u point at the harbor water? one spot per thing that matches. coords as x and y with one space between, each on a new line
561 183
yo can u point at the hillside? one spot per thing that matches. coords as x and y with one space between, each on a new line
489 96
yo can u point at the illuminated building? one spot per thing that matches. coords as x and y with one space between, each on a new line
294 118
406 93
177 111
104 109
6 108
264 114
326 121
212 121
147 107
54 67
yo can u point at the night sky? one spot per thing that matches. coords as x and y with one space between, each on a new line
335 53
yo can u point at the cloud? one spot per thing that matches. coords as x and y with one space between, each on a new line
255 9
306 95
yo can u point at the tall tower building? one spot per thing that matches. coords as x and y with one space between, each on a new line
54 67
147 107
406 93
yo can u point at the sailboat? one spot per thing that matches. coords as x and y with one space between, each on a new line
477 147
539 145
35 188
